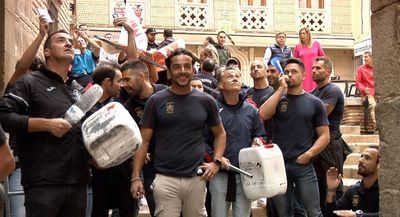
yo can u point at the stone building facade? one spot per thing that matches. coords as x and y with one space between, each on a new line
252 24
20 28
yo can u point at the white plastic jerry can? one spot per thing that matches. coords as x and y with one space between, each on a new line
111 135
267 166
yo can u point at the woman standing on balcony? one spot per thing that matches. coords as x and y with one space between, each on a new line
307 50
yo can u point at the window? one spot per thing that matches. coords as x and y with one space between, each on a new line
312 4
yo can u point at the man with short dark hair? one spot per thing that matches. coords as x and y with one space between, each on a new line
136 82
151 39
260 87
279 50
168 38
335 153
206 75
111 186
177 132
361 199
298 117
223 52
54 162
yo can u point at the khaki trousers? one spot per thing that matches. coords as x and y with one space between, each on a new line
174 195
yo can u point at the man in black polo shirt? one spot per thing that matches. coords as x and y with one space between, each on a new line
135 80
335 153
361 199
298 117
174 120
54 163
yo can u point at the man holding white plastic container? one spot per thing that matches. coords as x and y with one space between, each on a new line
298 117
242 124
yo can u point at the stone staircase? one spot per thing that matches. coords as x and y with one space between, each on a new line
357 142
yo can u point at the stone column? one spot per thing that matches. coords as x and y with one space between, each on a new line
385 22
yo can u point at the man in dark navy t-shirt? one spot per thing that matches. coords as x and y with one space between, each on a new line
174 120
298 117
337 150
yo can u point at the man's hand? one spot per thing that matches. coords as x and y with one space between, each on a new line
345 213
137 189
43 26
282 82
333 179
304 158
83 34
225 163
209 171
123 21
58 127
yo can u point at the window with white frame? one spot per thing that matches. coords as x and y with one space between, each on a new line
194 14
255 15
315 14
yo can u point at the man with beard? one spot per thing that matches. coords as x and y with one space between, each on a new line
261 87
298 117
174 120
335 153
136 82
361 199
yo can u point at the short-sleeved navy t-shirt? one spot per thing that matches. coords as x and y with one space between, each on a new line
296 118
331 94
178 122
257 94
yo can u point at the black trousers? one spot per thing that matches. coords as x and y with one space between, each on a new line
111 189
56 201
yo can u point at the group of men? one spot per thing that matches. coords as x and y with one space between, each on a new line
180 125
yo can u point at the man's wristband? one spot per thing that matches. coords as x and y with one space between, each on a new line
134 179
218 163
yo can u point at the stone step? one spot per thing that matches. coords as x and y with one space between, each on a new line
358 147
350 171
352 159
352 138
347 129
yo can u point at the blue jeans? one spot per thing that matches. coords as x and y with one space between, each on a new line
17 208
219 206
303 176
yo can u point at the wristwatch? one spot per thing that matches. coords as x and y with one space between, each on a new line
218 163
359 213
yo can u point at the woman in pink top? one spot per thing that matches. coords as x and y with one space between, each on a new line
307 50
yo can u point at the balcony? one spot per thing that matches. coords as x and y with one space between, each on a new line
193 15
317 20
255 18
